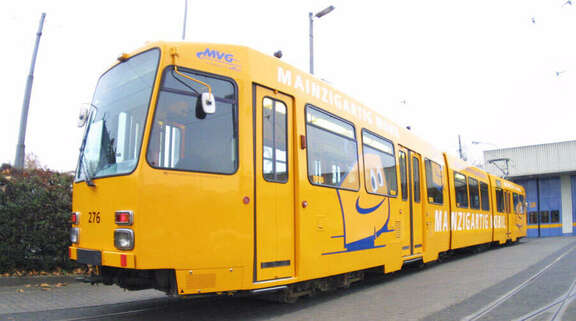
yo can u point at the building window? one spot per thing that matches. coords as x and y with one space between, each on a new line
332 151
461 189
532 217
434 182
555 216
544 217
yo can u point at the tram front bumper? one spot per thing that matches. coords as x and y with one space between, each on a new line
103 258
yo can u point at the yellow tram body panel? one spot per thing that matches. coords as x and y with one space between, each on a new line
280 215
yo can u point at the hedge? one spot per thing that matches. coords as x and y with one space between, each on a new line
35 206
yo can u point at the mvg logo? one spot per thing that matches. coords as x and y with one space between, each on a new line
219 57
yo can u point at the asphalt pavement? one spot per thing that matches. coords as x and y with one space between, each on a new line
533 280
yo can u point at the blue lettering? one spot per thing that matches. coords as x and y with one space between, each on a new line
215 54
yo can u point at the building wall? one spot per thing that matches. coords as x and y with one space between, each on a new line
545 209
547 172
535 159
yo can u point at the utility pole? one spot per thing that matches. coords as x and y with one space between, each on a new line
21 148
460 148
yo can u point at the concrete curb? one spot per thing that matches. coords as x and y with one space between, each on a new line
34 280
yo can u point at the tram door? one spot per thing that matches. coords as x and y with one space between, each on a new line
274 179
411 222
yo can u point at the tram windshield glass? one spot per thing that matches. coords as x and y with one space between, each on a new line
113 137
183 137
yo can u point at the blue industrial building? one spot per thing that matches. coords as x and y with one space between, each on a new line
548 173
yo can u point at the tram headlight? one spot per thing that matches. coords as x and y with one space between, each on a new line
124 239
74 235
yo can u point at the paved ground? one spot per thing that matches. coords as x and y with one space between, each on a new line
534 280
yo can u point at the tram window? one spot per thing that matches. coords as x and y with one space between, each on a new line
533 218
403 176
461 190
485 197
507 201
379 165
500 200
416 178
474 193
544 217
555 216
332 150
274 141
515 201
434 182
521 204
183 137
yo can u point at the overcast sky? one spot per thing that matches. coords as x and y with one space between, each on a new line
500 72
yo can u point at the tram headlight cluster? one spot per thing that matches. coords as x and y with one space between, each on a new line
124 239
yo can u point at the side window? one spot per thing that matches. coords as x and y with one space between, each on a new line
500 200
379 165
403 175
183 137
515 200
544 217
274 140
554 216
461 190
521 206
484 195
434 182
416 177
507 201
474 193
332 150
533 218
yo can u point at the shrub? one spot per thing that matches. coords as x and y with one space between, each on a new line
35 206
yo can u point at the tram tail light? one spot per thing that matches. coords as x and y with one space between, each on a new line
75 218
124 217
124 239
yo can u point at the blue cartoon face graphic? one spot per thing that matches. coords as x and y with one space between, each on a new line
364 218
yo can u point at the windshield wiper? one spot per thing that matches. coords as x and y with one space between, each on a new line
83 164
87 175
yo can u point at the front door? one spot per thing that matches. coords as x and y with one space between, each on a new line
410 165
274 179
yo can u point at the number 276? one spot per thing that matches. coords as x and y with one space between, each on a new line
94 217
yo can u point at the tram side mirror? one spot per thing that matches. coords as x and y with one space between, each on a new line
83 116
208 103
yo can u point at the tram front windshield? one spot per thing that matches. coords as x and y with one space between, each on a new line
113 137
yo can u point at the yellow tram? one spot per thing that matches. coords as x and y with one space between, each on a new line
217 169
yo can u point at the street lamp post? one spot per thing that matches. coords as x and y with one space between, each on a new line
311 16
20 148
